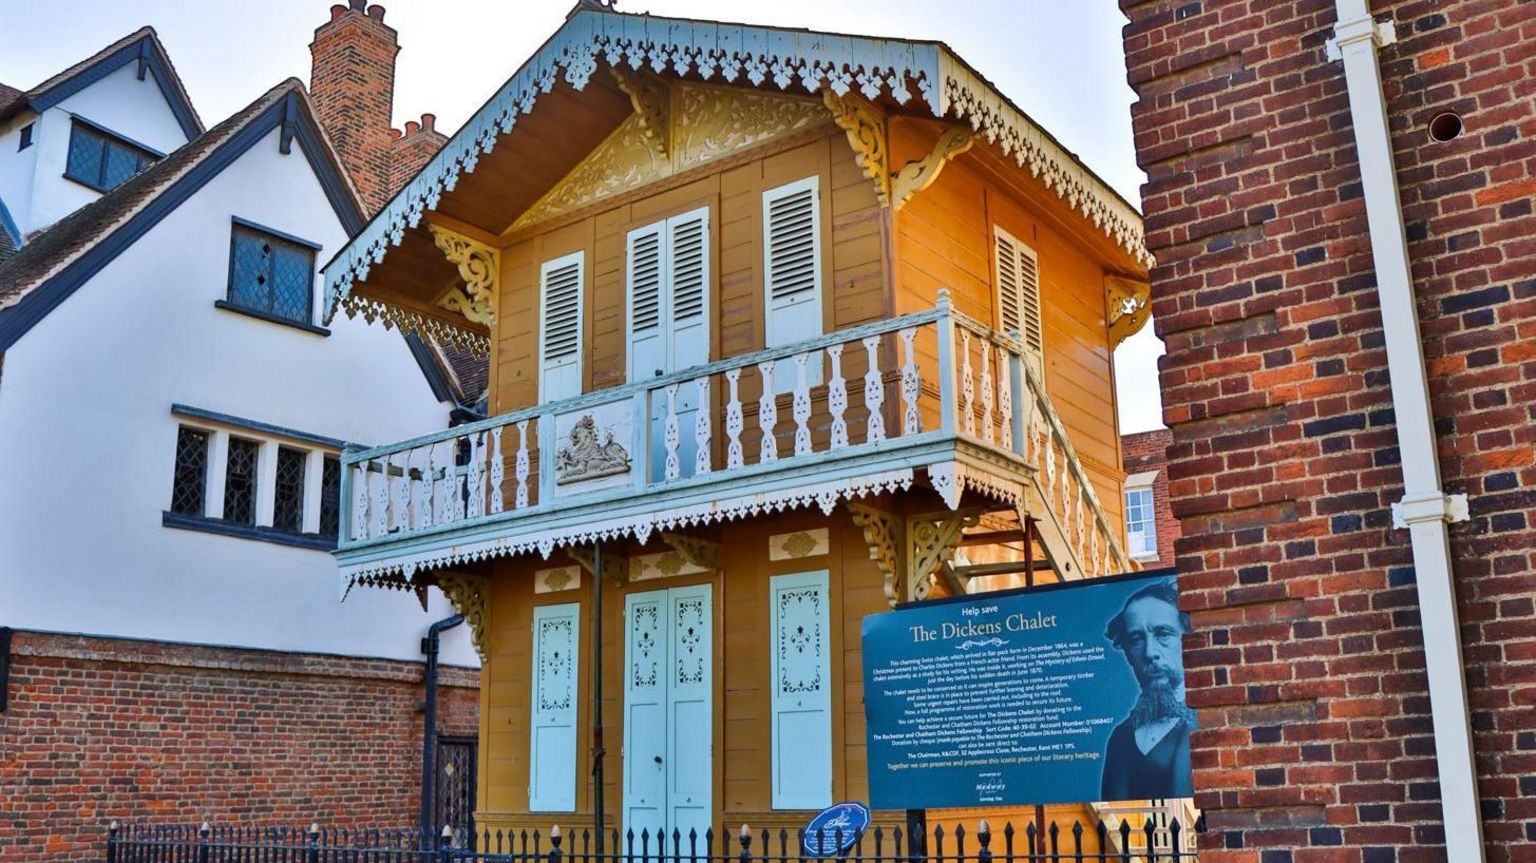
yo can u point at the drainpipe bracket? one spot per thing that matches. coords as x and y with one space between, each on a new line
1449 508
1346 33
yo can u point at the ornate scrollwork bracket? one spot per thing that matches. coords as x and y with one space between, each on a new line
699 552
468 595
865 126
480 268
919 174
1129 303
883 533
931 543
651 98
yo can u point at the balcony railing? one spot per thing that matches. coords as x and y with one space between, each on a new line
913 386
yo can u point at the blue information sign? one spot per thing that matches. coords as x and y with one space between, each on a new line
1067 693
835 829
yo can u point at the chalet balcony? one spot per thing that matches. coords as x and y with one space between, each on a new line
932 398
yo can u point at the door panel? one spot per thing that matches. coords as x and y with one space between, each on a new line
645 731
669 709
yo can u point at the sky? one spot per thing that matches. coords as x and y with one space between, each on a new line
1059 61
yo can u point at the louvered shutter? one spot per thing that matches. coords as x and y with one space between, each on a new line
646 312
688 297
552 731
1018 294
560 325
802 691
792 270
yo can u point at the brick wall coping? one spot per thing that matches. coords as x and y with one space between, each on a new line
136 651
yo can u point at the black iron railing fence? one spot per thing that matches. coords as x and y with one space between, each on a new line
1160 840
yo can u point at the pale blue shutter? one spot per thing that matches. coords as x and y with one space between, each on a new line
552 731
792 271
801 703
560 324
646 311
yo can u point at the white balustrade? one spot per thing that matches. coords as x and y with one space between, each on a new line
837 399
767 413
734 457
498 471
983 389
802 405
702 428
874 392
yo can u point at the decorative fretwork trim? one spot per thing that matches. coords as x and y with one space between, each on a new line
467 593
409 321
865 126
480 268
919 174
396 572
1129 303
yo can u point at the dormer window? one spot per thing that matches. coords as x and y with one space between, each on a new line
271 274
102 160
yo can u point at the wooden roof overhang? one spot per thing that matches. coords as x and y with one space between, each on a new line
565 101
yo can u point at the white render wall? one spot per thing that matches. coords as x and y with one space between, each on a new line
32 182
87 439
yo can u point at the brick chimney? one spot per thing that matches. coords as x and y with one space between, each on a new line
411 150
352 83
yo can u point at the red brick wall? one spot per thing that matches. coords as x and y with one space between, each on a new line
1307 665
104 729
352 83
1146 451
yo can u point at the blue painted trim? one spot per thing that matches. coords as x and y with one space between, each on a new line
270 318
285 237
116 136
8 225
18 319
244 531
269 429
147 54
430 369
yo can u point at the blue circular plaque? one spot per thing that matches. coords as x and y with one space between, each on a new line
835 829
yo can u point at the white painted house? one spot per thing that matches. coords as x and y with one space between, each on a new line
171 411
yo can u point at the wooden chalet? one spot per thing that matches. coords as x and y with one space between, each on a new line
783 328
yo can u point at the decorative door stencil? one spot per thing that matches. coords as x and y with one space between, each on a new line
801 639
689 629
646 628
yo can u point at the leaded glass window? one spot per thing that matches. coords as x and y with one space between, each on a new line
270 275
288 497
191 478
330 496
240 481
102 161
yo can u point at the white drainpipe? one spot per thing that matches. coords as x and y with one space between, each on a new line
1425 509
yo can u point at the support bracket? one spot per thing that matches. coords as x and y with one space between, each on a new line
931 542
468 595
480 268
699 552
883 534
865 126
615 562
1130 305
919 174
